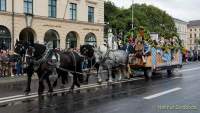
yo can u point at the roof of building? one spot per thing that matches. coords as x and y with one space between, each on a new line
180 21
194 23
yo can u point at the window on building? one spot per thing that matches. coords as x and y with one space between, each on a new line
190 35
71 40
2 5
190 42
52 8
5 38
190 29
90 39
28 6
195 29
90 14
73 11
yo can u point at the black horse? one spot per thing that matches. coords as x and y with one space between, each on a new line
73 62
34 58
70 61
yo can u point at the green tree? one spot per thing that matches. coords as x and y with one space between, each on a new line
151 17
197 41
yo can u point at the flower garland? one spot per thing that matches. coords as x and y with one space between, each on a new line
141 32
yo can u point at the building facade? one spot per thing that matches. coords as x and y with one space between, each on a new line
182 31
193 33
63 23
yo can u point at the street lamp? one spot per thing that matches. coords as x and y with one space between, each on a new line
29 20
132 13
132 19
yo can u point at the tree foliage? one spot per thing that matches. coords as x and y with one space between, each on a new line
150 17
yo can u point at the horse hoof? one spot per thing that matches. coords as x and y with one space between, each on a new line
109 83
78 86
50 91
26 93
40 93
71 90
99 82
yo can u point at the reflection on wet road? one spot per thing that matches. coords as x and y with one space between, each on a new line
126 97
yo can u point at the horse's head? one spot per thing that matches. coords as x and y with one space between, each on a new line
19 47
87 50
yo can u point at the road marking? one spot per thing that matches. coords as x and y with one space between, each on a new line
176 78
162 93
10 97
33 95
192 69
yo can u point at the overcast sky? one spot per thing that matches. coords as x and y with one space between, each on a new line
182 9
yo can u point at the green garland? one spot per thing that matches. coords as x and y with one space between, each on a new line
166 48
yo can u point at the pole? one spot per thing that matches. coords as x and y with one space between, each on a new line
13 31
132 19
197 52
65 9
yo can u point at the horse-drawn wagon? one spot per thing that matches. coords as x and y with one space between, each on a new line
157 60
155 55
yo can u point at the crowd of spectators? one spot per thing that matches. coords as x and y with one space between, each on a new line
10 64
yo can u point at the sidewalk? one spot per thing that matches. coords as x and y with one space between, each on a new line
191 62
11 86
15 79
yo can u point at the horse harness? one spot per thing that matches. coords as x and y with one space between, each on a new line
106 56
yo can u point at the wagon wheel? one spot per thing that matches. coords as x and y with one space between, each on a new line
170 72
148 74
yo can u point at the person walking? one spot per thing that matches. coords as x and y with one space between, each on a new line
187 56
18 67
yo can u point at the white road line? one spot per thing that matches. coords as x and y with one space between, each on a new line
33 95
176 78
15 99
10 97
162 93
192 69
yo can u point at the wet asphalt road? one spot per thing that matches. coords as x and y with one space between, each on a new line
138 96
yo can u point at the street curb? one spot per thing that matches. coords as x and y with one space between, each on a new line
15 79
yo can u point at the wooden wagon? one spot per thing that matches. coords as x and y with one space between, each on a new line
157 60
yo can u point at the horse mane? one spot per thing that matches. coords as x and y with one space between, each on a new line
87 50
39 50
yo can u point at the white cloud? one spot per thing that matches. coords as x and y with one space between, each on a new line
183 9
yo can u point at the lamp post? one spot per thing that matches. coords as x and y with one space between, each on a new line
197 48
106 28
13 25
132 19
29 20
